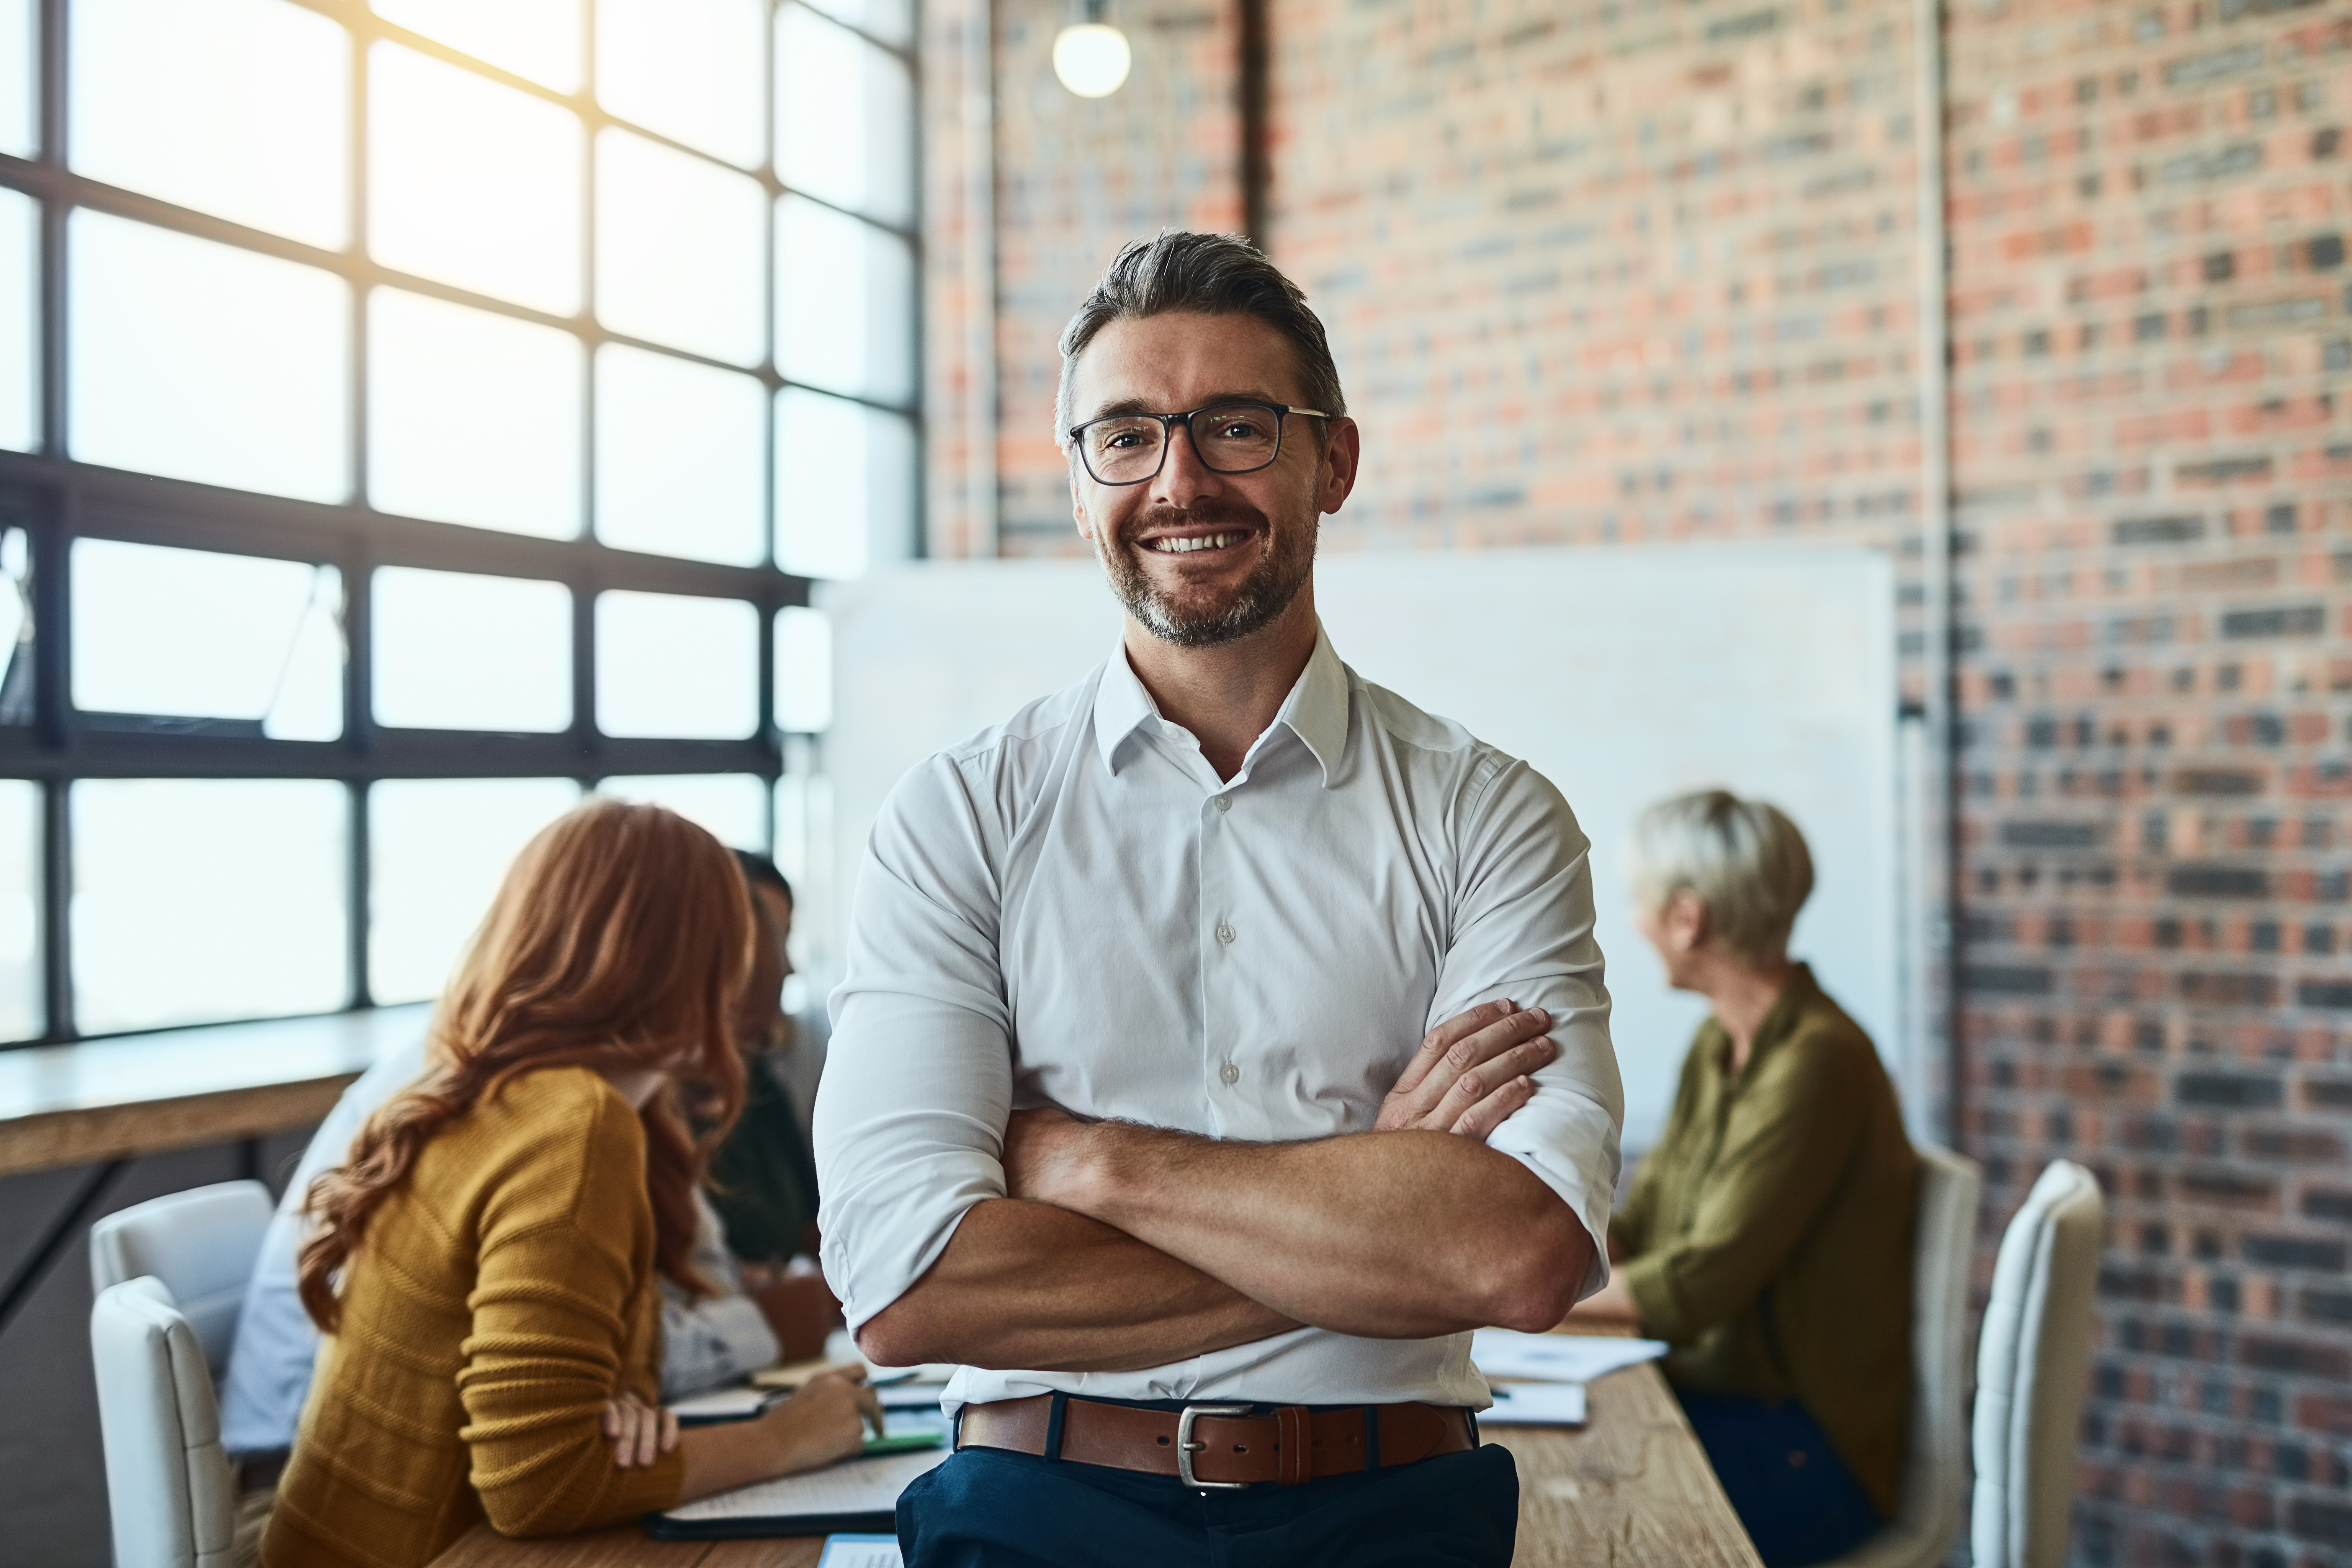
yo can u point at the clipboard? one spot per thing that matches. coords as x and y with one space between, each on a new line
854 1497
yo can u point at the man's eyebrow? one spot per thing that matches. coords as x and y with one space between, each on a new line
1125 405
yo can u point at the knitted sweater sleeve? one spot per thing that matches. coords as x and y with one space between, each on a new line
565 1234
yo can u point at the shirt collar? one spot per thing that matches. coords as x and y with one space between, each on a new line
1315 710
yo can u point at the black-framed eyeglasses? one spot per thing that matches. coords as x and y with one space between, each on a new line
1236 437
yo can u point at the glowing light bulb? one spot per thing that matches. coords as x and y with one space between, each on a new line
1092 59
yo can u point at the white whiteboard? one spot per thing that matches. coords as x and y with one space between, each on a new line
1623 675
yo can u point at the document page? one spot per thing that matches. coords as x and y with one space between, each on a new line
1536 1405
853 1485
1557 1358
861 1551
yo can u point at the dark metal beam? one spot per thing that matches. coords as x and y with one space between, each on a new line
62 1232
1256 170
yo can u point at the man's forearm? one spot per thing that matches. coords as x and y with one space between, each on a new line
1027 1284
1386 1235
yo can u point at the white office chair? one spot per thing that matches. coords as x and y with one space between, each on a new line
1927 1517
2031 1364
200 1245
169 1483
170 1486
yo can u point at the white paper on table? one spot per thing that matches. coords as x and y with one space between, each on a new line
1557 1358
1535 1404
725 1404
861 1551
853 1485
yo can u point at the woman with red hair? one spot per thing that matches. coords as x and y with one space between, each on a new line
485 1267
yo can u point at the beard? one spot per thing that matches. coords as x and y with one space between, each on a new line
1201 621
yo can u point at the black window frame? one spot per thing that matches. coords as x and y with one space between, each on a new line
56 499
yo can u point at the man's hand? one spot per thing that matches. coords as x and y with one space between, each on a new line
1471 1072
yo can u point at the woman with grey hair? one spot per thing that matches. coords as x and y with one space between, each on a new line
1767 1237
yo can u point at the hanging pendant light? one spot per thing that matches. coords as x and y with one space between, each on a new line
1091 57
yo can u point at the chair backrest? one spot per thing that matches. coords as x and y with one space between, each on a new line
168 1481
200 1245
2032 1366
1943 1245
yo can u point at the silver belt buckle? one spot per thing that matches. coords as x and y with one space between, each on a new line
1186 1448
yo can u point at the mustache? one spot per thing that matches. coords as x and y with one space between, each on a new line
1235 513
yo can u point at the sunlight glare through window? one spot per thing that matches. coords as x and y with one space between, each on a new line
892 21
841 288
238 108
845 118
20 93
733 806
20 910
201 900
190 633
803 670
539 39
681 457
672 667
472 417
456 650
20 321
686 69
202 362
677 249
471 182
437 849
844 485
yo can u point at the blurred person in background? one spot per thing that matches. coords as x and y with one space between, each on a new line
1768 1238
485 1264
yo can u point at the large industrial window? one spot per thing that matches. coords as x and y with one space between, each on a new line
412 416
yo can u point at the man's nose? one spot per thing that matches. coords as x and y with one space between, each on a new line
1183 479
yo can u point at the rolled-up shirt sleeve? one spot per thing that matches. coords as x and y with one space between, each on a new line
1523 930
919 1078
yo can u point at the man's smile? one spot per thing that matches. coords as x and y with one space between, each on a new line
1188 544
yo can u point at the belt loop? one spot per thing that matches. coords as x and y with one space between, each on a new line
955 1444
1054 1425
1371 1436
1472 1415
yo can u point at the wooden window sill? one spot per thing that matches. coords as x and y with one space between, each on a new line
177 1088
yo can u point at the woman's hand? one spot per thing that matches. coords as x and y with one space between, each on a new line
640 1433
825 1421
1471 1072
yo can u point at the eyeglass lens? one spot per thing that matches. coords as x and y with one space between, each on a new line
1231 440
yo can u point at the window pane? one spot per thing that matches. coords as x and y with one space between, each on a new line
200 899
20 97
471 182
202 362
458 652
20 910
674 668
689 69
845 118
20 321
535 38
16 706
803 670
733 806
472 417
892 21
192 634
679 250
844 303
681 457
236 107
436 851
844 485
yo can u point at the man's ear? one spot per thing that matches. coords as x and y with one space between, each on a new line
1078 509
1343 454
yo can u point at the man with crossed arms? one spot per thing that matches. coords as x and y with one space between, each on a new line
1221 1039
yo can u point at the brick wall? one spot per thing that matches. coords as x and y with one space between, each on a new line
1603 271
2149 323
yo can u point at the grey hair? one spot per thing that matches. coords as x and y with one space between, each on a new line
1744 859
1212 274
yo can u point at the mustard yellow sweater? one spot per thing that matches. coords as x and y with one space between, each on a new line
503 1292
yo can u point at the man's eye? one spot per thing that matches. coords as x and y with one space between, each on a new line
1238 430
1122 440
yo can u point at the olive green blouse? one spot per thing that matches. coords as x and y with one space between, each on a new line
1767 1237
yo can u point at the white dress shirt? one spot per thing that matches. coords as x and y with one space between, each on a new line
1071 908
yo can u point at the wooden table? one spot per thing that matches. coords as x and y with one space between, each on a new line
1631 1489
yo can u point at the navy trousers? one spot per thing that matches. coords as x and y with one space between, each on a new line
985 1507
1798 1501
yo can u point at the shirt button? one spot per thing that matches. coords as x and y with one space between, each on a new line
1224 933
1230 1073
1224 803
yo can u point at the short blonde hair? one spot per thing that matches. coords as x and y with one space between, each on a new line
1744 859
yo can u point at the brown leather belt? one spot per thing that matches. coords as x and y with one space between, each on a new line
1221 1446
